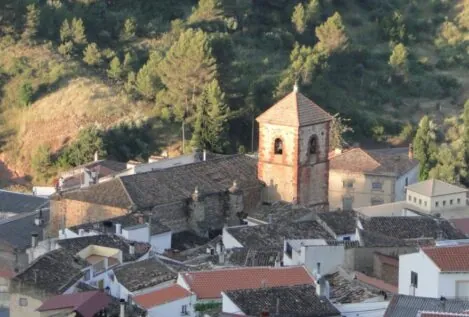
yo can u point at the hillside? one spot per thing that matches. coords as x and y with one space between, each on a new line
137 70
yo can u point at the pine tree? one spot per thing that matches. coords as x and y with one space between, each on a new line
299 18
313 10
211 120
331 34
129 61
425 147
66 33
464 172
186 69
78 31
207 10
115 69
446 168
92 55
398 60
32 23
129 30
148 82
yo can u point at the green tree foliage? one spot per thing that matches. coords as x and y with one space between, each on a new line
299 18
425 147
78 31
82 150
465 146
66 48
66 33
115 69
394 27
463 16
129 30
26 93
91 55
129 61
41 161
211 120
207 10
313 11
186 69
147 81
399 60
129 140
339 127
331 34
446 168
449 35
32 23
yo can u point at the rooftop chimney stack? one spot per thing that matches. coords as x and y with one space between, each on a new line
295 87
81 232
122 308
34 236
118 228
411 151
96 156
132 248
204 155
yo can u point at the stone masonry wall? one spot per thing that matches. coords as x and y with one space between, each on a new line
78 212
385 271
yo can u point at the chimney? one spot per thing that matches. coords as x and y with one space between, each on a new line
140 219
277 261
221 257
277 307
318 268
122 308
34 236
411 151
96 156
295 87
204 155
38 221
81 232
131 248
118 228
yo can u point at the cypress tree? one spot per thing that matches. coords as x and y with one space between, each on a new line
425 147
299 18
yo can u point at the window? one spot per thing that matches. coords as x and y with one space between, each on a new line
406 181
415 200
414 279
289 250
23 302
436 204
376 186
87 275
184 310
346 238
347 203
313 145
450 201
420 201
278 146
458 200
348 184
376 201
425 203
409 198
444 202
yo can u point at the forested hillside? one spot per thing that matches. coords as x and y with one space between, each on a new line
128 78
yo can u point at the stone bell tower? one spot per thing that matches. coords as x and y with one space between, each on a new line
293 151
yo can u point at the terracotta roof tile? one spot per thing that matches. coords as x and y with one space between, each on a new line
294 110
210 284
87 303
161 296
450 258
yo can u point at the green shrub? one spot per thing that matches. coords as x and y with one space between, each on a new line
26 93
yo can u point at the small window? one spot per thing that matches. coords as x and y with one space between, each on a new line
346 238
420 201
376 201
425 203
415 199
87 275
458 200
436 204
278 146
376 186
406 181
444 202
347 203
414 279
313 145
289 250
409 198
450 201
23 302
184 310
348 184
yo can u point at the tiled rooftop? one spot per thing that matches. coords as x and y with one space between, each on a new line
272 235
12 202
449 258
409 306
281 211
210 284
294 110
300 300
435 187
161 296
87 304
340 222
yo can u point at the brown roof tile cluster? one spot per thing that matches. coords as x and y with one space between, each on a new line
86 304
294 110
441 314
161 296
377 283
450 258
392 161
210 284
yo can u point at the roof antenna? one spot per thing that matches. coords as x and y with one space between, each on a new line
295 86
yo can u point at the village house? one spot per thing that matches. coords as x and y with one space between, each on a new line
411 306
360 178
71 261
292 166
435 271
86 304
300 300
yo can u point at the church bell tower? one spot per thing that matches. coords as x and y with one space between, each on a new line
293 151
